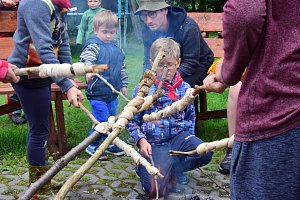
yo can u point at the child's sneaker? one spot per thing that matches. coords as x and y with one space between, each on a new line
113 149
92 149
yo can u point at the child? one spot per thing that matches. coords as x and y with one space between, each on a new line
176 132
101 49
85 29
41 37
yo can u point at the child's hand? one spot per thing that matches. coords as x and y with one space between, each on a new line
145 147
124 91
88 77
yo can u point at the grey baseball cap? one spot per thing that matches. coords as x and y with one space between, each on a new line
151 5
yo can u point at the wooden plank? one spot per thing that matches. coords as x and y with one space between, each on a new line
216 45
7 108
8 21
6 47
215 114
208 22
6 88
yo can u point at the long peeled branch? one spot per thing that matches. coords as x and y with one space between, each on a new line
131 110
58 165
61 70
206 147
104 128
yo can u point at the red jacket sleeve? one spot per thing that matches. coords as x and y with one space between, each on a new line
3 69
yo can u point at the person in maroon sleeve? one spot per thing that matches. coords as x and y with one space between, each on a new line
264 36
6 72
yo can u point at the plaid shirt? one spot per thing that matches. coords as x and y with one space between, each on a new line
163 130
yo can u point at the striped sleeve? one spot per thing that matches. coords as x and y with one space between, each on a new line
124 76
90 53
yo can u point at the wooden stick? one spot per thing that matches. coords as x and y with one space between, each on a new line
118 127
112 87
160 55
198 89
59 165
61 70
206 147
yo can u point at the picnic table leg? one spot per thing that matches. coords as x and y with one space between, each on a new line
60 121
53 137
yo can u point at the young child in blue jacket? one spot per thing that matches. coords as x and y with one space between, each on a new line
101 49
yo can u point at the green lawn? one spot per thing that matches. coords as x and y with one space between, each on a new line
13 138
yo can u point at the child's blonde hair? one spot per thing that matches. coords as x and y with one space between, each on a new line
169 47
107 18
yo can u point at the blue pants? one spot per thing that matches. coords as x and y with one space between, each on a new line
266 169
102 111
172 167
36 106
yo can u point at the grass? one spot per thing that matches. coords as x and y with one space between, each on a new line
13 138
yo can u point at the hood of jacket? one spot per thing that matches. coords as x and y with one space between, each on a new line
178 16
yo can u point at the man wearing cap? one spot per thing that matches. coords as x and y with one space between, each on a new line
163 20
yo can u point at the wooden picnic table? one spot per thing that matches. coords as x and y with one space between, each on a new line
57 141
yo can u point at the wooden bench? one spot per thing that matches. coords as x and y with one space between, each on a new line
210 23
57 141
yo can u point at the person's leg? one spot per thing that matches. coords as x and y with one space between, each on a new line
113 149
186 142
224 166
266 169
37 113
162 161
101 112
15 116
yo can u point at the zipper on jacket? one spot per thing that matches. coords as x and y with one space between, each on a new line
93 85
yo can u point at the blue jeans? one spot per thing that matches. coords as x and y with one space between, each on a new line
37 111
102 111
266 169
172 167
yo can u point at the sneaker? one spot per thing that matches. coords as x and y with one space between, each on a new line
92 149
224 167
18 119
182 179
131 141
113 149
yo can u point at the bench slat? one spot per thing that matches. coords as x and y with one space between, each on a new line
8 21
216 45
208 22
6 47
